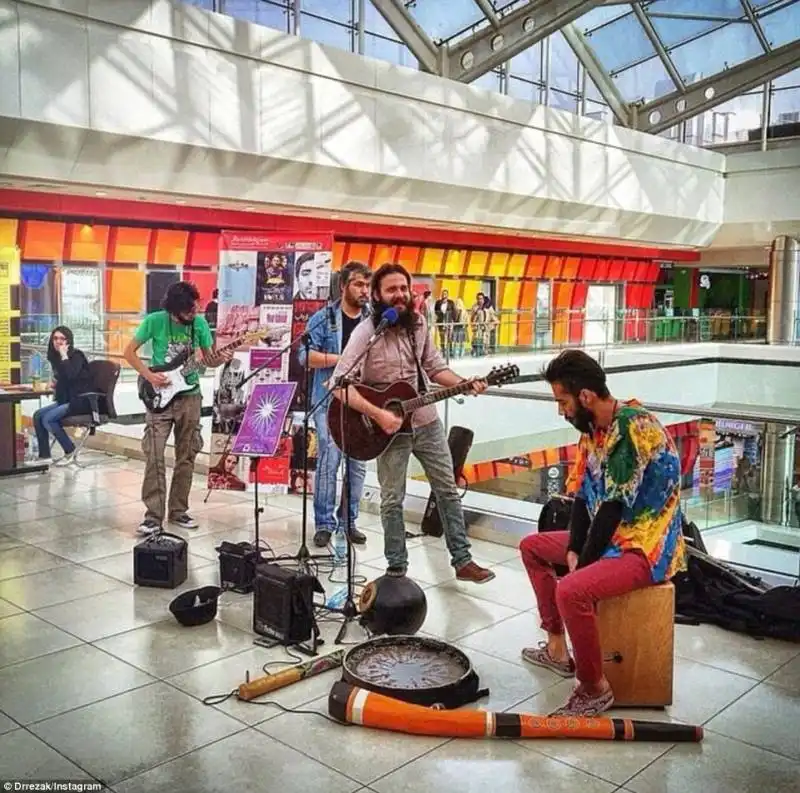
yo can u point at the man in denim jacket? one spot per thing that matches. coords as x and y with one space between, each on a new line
329 330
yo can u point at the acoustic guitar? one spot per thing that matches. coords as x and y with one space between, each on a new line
180 368
366 440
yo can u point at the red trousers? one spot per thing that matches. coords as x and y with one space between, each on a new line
570 602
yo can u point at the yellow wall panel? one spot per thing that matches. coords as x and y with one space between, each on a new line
469 292
516 265
8 233
498 264
509 301
454 261
432 260
477 263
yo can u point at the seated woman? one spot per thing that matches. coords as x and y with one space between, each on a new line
72 379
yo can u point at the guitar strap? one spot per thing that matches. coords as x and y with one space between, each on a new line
422 383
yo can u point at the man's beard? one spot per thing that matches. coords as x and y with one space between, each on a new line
405 309
583 420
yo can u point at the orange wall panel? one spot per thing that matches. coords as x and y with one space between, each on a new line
527 302
42 240
124 290
554 266
562 299
87 243
203 250
359 252
130 246
383 254
409 257
570 270
338 254
170 247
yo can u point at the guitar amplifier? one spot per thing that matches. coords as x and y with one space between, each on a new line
283 604
460 442
161 560
237 566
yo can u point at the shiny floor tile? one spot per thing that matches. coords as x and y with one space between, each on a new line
766 716
734 652
168 648
132 732
50 587
8 609
788 676
108 614
478 766
25 559
506 581
718 765
55 683
245 761
25 636
452 615
95 545
24 756
7 724
506 639
7 542
363 754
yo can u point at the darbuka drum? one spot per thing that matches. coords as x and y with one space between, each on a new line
415 669
393 605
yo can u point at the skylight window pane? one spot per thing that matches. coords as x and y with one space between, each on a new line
621 43
647 81
602 14
444 20
781 26
716 52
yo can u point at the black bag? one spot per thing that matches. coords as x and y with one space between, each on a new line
555 516
710 591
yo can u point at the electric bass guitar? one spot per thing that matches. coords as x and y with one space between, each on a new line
179 369
366 440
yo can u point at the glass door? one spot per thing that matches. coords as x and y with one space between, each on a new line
601 307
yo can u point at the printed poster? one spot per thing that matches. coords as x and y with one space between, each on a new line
263 277
303 311
264 419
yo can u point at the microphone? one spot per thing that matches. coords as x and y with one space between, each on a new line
388 318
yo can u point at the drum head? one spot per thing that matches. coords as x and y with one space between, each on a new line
414 669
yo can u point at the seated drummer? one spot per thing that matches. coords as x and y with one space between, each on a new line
625 530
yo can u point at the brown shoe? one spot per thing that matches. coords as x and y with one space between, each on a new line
472 572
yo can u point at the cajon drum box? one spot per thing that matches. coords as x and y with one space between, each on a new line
637 634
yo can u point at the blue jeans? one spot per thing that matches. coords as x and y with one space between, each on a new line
327 515
429 445
47 420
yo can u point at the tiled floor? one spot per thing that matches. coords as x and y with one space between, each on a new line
97 680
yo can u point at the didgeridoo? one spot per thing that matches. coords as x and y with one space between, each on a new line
263 685
349 703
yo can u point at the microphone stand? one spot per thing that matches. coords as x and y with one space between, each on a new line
348 610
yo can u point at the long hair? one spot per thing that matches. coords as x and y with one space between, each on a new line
53 355
377 306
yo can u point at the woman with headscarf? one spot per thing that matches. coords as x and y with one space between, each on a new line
72 379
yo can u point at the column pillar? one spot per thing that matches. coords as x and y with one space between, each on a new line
784 280
777 465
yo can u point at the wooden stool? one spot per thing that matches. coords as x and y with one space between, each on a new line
637 633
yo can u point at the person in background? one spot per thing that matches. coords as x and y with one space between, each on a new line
443 309
212 308
329 330
460 324
483 320
175 330
73 378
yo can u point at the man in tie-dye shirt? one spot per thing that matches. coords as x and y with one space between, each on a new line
626 528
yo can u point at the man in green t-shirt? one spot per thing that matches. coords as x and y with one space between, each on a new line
174 331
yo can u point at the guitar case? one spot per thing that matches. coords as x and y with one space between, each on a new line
460 442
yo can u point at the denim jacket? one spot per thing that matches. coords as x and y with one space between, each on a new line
325 332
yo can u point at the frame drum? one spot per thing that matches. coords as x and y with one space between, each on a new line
415 669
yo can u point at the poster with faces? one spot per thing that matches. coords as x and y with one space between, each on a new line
312 275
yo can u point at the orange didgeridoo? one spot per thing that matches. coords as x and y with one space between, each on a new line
349 703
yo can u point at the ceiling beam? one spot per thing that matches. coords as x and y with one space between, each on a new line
661 114
599 76
488 11
410 33
651 34
474 56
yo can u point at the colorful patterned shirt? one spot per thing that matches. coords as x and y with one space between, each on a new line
635 461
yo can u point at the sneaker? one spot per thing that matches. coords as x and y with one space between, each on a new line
184 521
322 537
582 703
540 656
149 526
67 459
474 573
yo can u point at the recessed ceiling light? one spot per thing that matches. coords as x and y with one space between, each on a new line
179 201
100 193
249 209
